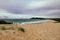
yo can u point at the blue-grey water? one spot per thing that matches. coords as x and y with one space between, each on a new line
24 21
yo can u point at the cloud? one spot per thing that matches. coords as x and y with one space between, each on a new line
44 4
38 4
4 14
25 8
54 13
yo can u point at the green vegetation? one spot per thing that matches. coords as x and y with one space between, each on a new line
56 19
21 29
37 18
12 28
4 28
4 22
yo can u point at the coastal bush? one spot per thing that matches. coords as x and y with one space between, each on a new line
21 29
11 28
56 19
4 22
37 18
2 28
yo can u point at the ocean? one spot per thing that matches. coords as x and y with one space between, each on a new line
25 21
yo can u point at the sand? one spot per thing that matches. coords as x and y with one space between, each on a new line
49 30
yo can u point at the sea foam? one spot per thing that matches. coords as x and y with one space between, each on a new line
32 22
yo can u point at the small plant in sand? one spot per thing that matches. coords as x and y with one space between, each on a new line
11 28
3 28
21 29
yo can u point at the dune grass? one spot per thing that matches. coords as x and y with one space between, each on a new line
12 28
4 28
21 29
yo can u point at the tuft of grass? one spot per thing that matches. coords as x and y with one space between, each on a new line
21 29
3 28
11 28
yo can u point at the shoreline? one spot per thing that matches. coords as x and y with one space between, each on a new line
32 22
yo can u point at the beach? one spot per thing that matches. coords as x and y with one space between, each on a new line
49 30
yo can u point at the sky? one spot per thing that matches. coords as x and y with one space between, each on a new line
29 8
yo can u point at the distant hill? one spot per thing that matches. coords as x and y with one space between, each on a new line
37 18
4 22
56 19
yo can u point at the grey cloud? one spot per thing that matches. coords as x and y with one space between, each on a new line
55 14
21 7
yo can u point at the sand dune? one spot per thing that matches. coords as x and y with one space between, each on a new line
44 31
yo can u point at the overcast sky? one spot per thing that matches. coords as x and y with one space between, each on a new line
29 8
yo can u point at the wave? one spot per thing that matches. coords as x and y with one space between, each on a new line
32 22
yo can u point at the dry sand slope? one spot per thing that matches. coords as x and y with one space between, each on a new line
45 31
